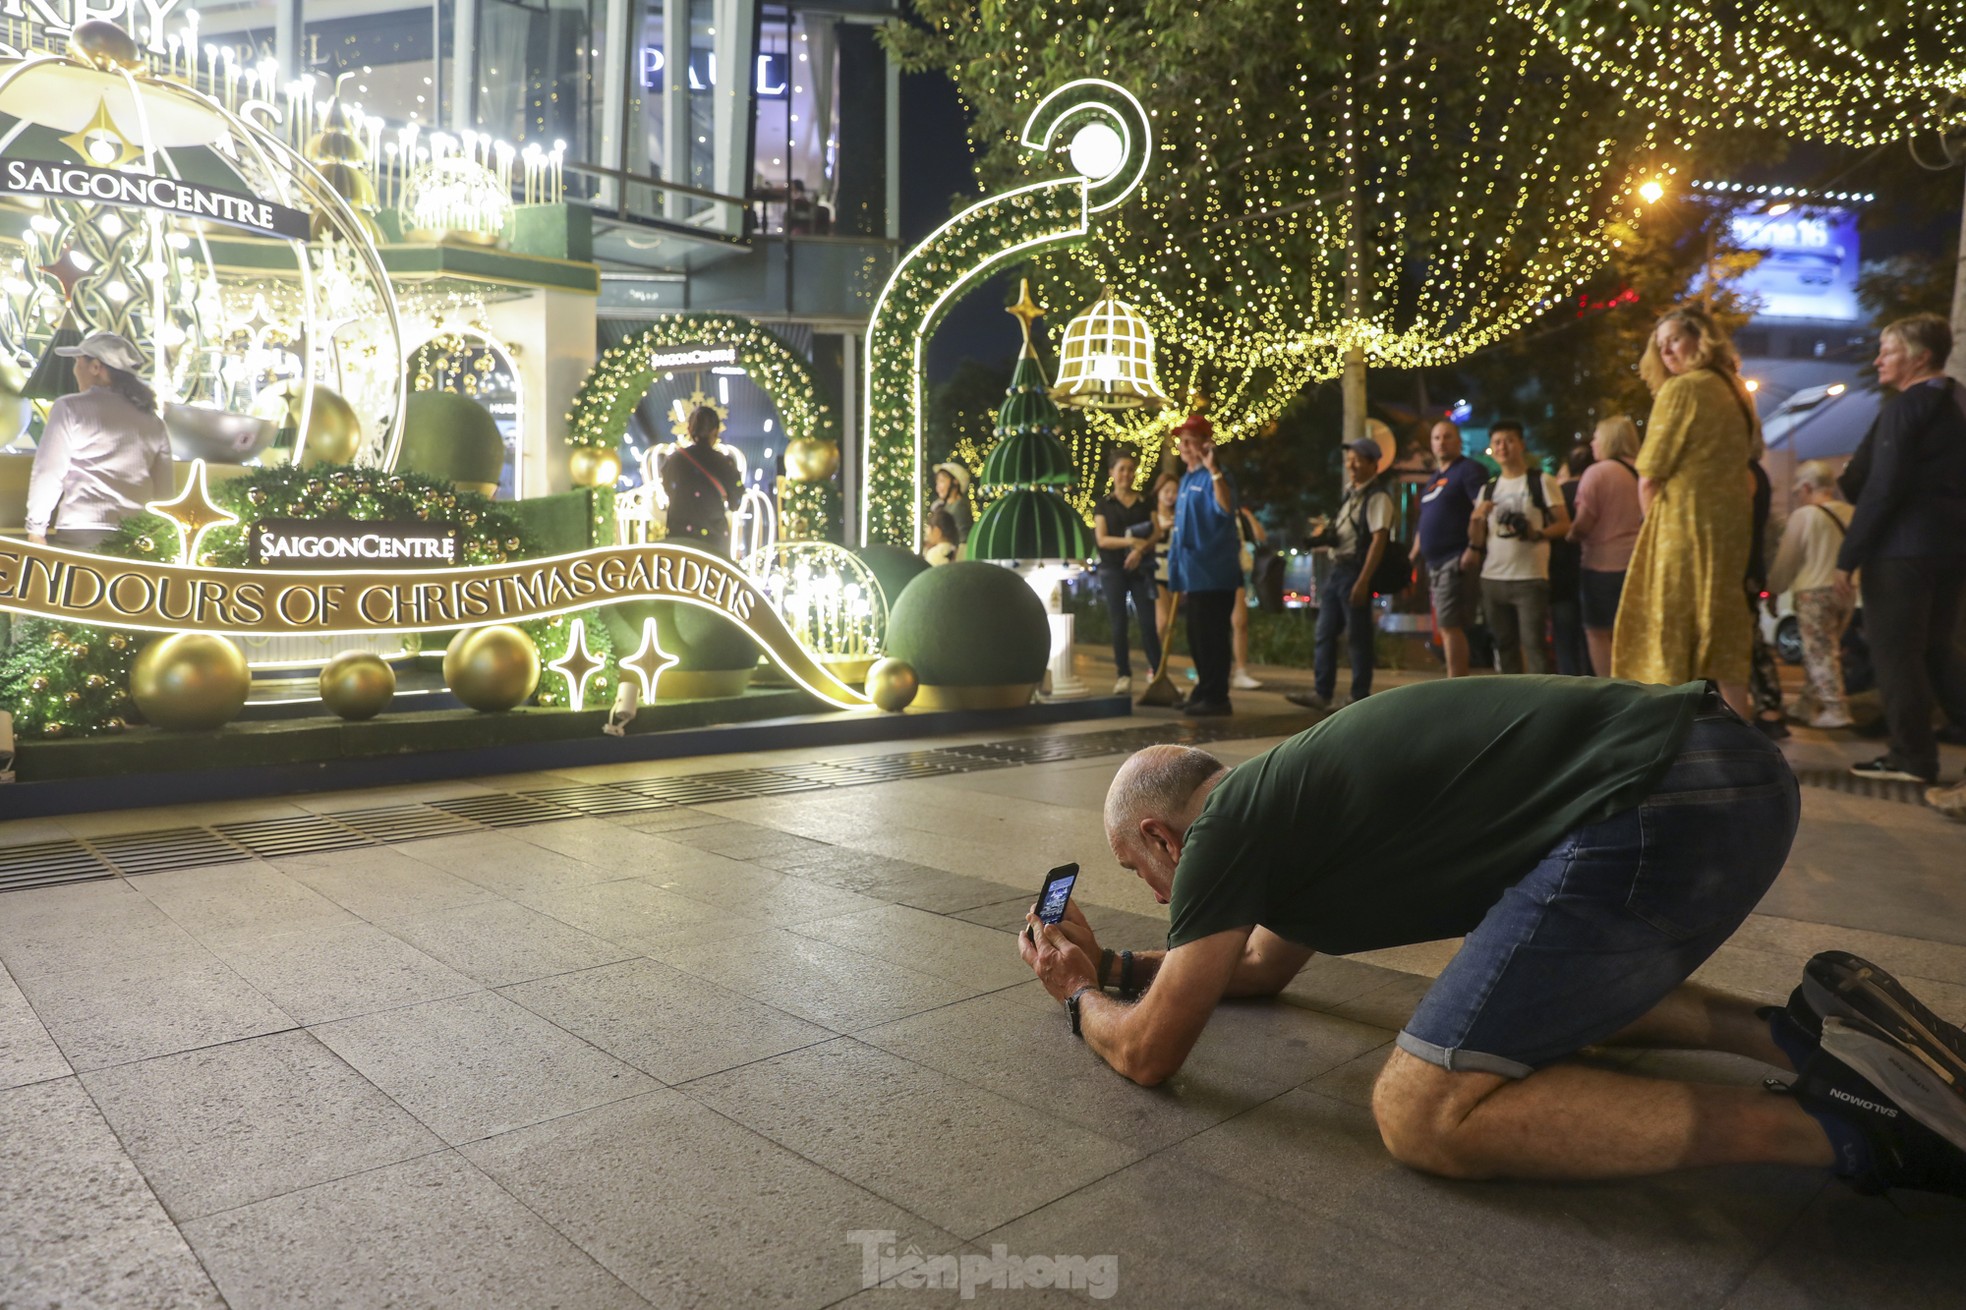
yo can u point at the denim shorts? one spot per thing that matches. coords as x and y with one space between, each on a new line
1600 592
1619 913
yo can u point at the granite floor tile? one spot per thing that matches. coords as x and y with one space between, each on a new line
762 894
660 821
476 1065
78 1224
838 989
503 863
154 1005
498 942
1851 1252
27 1053
672 1026
902 1131
431 1232
322 974
230 899
1329 981
633 853
748 841
230 1125
1005 1044
691 1209
53 929
383 883
628 911
928 943
1389 1005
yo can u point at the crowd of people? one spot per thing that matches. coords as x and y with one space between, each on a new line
1647 561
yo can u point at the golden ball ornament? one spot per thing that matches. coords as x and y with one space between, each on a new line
54 729
357 684
810 459
892 684
592 466
103 44
492 669
117 641
334 430
190 681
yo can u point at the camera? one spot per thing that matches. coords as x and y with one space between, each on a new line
1511 523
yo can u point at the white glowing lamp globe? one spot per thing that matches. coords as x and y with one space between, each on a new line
1096 152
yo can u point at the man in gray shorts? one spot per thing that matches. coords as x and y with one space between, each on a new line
1594 842
1453 569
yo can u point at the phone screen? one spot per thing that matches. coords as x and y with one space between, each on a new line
1056 892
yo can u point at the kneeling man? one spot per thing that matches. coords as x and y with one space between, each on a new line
1594 842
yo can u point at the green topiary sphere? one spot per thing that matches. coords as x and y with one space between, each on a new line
970 624
452 437
893 567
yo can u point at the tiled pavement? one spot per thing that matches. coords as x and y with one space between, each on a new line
678 1057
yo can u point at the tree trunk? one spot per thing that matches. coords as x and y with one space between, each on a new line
1956 366
1355 283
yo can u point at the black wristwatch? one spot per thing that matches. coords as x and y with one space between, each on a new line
1072 1007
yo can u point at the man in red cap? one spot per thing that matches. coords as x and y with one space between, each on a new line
1204 564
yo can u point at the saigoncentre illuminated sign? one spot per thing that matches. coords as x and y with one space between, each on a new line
314 544
49 582
692 356
33 177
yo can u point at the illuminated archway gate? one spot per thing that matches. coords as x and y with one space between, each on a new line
624 373
1111 143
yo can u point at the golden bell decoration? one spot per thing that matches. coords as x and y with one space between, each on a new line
892 684
102 44
334 431
190 681
810 459
357 685
1106 360
592 466
492 669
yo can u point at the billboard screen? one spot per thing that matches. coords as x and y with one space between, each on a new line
1808 263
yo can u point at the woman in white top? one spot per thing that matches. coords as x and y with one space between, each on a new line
103 454
1806 563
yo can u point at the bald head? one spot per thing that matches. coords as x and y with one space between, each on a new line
1159 782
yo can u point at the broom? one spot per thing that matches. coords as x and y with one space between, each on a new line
1160 692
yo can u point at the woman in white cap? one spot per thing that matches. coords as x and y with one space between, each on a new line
103 454
952 494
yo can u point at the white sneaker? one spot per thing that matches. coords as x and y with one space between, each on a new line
1241 681
1829 719
1123 686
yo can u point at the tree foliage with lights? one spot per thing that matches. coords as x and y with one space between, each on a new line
1410 181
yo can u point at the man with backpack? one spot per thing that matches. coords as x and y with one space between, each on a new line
1359 540
1520 512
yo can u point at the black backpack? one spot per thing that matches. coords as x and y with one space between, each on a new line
1395 571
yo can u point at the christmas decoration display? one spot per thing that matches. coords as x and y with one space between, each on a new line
966 249
491 669
340 153
1030 520
1106 358
67 680
357 684
579 655
809 511
454 438
892 684
334 432
190 681
808 459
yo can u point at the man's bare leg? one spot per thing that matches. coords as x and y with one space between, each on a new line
1571 1122
1454 645
1697 1018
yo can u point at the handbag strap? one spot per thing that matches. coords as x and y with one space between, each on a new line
715 481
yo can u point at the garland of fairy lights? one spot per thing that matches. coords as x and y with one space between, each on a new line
1237 255
623 374
1704 66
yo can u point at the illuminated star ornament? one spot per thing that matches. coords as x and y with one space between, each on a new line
680 412
193 512
68 269
578 664
649 661
100 142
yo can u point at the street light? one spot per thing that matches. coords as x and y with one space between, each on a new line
1651 192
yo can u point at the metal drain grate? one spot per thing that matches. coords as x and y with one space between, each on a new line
304 835
597 799
1877 789
683 790
764 782
393 823
502 810
49 863
158 852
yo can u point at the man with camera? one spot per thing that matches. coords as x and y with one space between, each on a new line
1518 515
1358 540
1593 842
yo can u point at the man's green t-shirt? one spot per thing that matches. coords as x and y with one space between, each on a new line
1404 817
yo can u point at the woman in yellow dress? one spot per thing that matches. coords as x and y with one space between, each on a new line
1683 615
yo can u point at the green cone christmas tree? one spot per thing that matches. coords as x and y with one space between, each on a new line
1031 520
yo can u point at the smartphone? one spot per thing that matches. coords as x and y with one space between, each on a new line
1057 890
